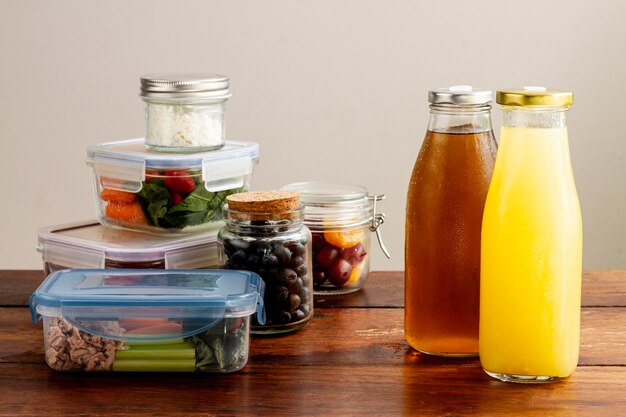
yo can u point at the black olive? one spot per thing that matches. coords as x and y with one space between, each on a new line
287 276
269 259
297 315
283 317
270 275
305 308
280 294
229 249
296 261
253 261
301 269
283 255
295 288
238 257
297 248
305 280
305 295
294 302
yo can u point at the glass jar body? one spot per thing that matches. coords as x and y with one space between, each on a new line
184 125
531 254
279 250
445 203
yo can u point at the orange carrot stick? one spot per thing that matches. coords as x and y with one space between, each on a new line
131 323
168 327
125 212
117 196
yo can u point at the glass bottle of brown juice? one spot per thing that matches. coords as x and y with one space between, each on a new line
445 203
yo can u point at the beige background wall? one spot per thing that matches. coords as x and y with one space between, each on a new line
330 89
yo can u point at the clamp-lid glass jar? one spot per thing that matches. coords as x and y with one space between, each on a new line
340 216
184 112
264 233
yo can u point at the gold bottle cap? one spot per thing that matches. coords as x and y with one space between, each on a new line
534 97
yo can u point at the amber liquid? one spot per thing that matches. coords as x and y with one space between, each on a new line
445 205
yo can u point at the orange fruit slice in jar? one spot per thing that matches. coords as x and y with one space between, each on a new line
355 276
345 238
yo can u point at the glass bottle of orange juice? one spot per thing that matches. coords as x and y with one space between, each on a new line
531 244
445 204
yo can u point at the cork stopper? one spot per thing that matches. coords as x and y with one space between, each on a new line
275 201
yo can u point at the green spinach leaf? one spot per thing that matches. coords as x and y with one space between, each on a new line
200 206
153 198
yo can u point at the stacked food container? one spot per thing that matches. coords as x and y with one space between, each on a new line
159 205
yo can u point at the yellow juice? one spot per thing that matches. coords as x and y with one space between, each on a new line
531 257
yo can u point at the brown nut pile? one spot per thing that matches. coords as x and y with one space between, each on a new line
68 348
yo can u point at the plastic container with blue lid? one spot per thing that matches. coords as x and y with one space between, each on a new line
167 193
148 320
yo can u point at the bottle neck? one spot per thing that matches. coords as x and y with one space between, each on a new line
446 118
526 117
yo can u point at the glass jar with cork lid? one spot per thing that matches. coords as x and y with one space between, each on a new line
264 233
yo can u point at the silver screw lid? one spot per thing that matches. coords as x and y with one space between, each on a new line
207 86
460 94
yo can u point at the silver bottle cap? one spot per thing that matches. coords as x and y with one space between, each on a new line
204 86
460 94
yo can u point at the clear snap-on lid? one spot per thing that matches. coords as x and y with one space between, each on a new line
88 244
95 300
128 160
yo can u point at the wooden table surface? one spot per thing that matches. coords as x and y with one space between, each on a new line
351 359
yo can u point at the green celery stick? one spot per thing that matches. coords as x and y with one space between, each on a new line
161 346
136 339
150 354
154 365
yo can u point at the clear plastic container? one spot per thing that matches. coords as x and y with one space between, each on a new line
185 112
340 217
162 193
267 236
147 320
88 244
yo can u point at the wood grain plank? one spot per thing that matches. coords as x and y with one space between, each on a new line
16 285
604 288
601 288
284 389
383 289
343 336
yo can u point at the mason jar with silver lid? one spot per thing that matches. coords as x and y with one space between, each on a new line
184 112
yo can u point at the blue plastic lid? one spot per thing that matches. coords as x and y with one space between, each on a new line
95 299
